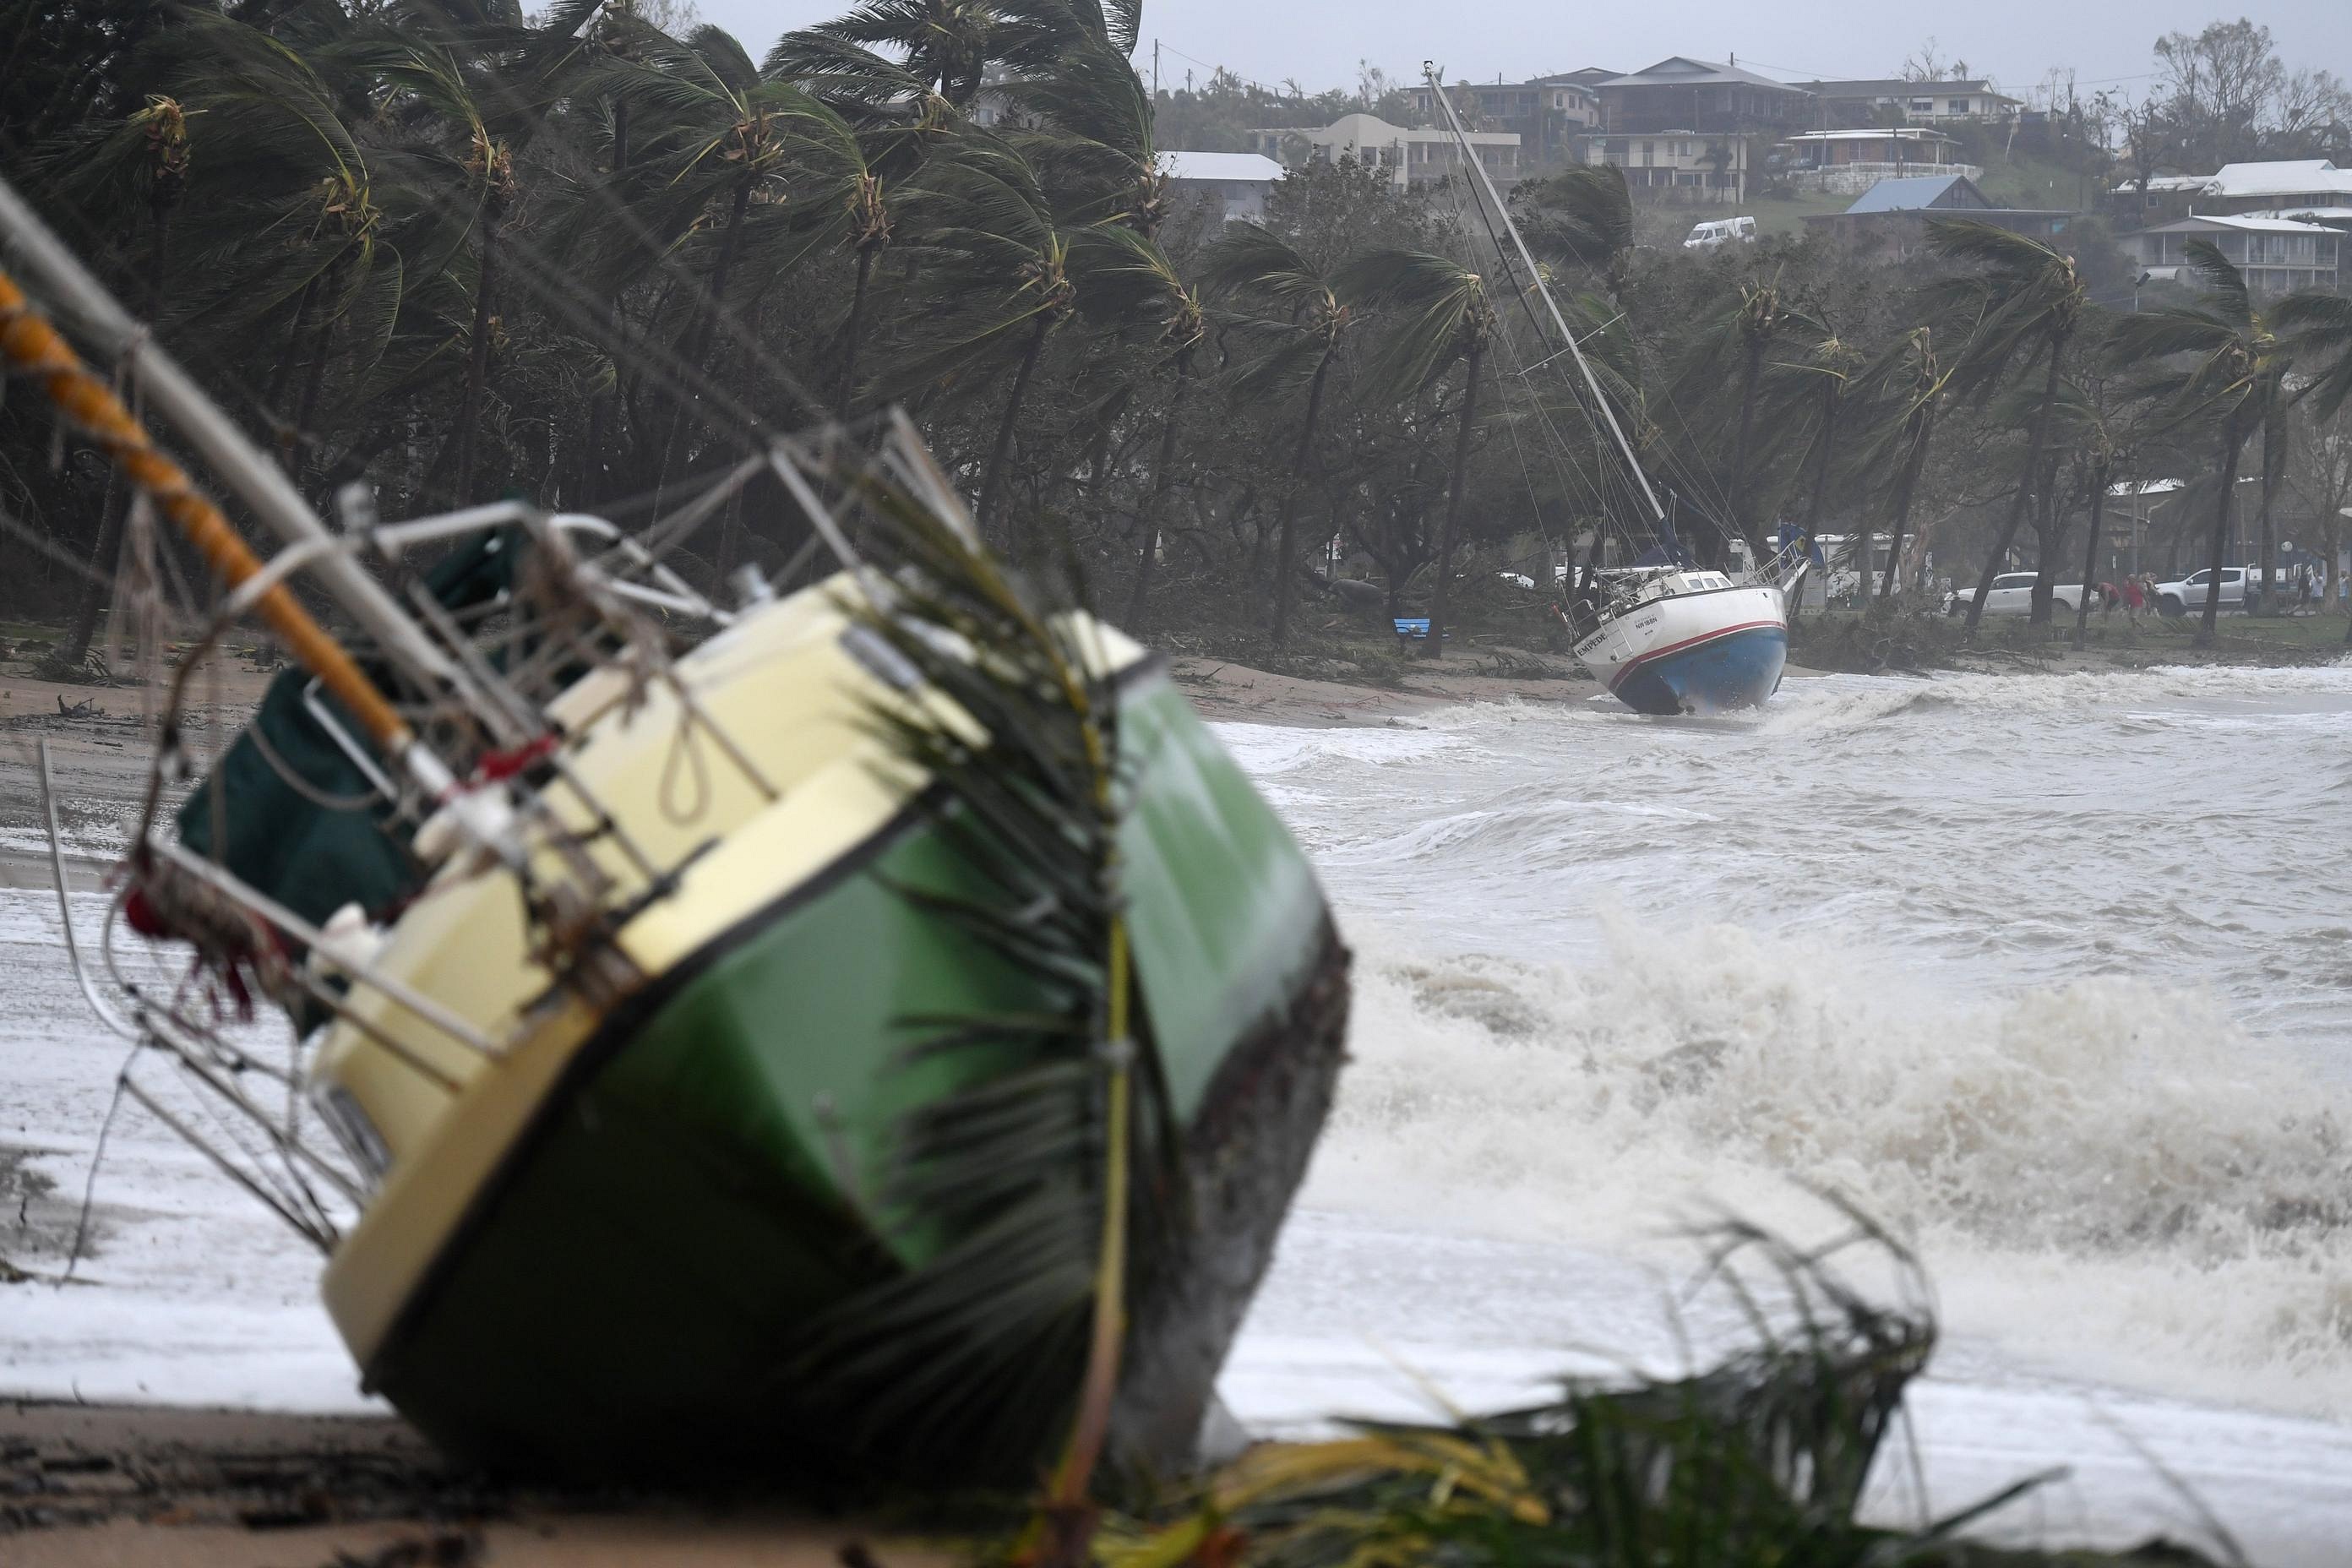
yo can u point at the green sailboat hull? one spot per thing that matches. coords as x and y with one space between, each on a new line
640 1287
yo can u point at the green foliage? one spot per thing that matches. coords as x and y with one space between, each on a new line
1760 1459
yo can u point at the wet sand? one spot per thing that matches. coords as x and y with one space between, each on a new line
84 1486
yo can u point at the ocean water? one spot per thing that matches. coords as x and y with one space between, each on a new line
2053 975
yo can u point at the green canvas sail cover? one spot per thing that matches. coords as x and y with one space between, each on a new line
294 815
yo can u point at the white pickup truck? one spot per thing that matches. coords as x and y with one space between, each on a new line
2011 594
2189 594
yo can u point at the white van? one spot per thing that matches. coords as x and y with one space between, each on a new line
1717 231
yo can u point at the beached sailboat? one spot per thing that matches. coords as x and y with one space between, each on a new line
1664 638
872 1030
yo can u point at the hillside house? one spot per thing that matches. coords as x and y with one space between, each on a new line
1236 182
1851 161
1681 168
1699 96
1546 113
1875 102
1410 155
2278 256
1893 215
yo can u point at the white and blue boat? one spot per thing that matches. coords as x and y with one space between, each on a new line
1690 642
1666 636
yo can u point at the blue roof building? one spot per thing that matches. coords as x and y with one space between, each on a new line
1895 213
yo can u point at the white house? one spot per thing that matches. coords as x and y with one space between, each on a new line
1410 155
1237 181
2276 255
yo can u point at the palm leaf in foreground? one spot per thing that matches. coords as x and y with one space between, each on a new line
1051 1173
1762 1459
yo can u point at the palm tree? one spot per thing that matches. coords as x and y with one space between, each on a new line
1097 143
1440 315
711 137
944 47
429 73
2319 329
998 278
1821 377
1743 334
2083 414
1133 289
1300 317
1581 217
1909 381
2026 302
147 155
2215 359
846 199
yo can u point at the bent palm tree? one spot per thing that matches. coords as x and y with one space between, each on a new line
2319 326
1581 217
1908 380
2027 301
1129 285
1302 320
1742 334
999 278
147 156
945 45
1442 315
2217 358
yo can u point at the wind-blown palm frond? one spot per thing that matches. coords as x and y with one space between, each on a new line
1250 258
1051 1174
943 45
2020 296
1439 307
1580 218
2319 328
1131 285
1762 1458
1099 142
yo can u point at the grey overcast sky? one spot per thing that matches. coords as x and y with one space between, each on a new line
2105 41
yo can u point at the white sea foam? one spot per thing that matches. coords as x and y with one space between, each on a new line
2049 971
2104 1179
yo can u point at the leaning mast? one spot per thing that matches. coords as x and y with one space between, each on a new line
1591 382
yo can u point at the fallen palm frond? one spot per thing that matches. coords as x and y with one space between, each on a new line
1763 1460
1050 1172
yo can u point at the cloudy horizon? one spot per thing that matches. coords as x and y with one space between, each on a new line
2105 43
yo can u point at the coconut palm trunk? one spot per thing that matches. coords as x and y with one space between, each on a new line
853 332
2233 442
2275 438
1163 479
1301 462
2049 535
1475 359
2025 482
1914 463
706 325
2091 550
992 484
1814 502
477 358
1750 374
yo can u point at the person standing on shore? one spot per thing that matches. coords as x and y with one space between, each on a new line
2134 598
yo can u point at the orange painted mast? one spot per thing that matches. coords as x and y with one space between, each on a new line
32 347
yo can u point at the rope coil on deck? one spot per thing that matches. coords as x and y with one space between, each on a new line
30 345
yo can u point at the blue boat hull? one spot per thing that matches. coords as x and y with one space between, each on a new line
1738 670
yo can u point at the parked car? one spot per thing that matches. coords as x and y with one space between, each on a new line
2011 594
2189 594
1721 231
